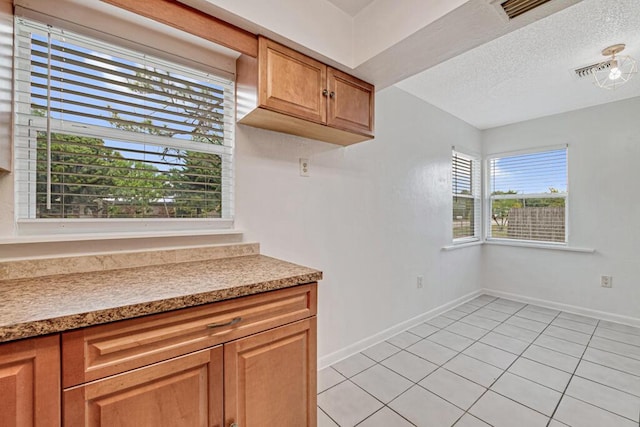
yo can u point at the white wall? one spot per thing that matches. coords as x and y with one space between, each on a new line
372 216
316 25
399 22
604 210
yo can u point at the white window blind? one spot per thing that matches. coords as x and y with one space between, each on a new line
466 197
528 196
105 132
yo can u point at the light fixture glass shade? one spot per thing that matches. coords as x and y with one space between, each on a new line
615 71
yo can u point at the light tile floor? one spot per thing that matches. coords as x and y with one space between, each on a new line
490 362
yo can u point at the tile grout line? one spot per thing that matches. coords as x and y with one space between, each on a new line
329 416
448 360
461 352
596 382
505 370
573 374
361 388
476 340
413 383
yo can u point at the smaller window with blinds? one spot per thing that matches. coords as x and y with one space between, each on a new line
528 196
466 197
108 133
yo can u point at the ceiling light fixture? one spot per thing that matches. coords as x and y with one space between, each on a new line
616 70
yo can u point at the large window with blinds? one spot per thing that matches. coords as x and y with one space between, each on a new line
528 196
466 188
108 133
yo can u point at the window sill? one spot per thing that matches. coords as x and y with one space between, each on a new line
519 244
552 247
462 245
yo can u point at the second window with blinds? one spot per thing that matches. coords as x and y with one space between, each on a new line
466 197
527 196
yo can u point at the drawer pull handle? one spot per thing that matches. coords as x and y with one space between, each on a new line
229 323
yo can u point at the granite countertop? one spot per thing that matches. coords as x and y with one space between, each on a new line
42 305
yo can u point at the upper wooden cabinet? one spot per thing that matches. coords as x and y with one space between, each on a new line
291 83
286 91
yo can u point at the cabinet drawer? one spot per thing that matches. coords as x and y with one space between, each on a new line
186 391
99 351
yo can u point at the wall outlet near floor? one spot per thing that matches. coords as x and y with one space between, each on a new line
304 167
419 282
606 281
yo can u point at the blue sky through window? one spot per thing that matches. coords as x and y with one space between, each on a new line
88 85
530 173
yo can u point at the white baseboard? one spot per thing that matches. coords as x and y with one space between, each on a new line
365 343
627 320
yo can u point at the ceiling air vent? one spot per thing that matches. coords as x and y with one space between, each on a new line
514 8
588 70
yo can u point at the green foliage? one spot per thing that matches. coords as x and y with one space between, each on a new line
90 179
79 175
500 208
196 186
198 104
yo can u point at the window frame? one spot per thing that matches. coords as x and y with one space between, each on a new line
476 194
488 198
27 225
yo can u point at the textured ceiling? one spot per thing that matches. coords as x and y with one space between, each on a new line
352 7
528 73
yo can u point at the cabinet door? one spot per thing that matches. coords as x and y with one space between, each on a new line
350 104
30 382
182 392
291 83
270 378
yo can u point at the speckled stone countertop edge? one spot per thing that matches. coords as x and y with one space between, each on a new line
56 324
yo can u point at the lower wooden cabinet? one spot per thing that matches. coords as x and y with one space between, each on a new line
255 366
270 378
30 383
186 391
246 362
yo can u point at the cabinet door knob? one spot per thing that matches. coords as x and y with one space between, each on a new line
332 95
234 425
325 92
229 323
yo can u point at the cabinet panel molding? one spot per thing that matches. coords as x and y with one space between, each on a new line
300 94
351 103
182 392
286 91
270 378
98 351
30 382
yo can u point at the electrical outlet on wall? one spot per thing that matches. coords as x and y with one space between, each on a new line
419 282
606 281
304 167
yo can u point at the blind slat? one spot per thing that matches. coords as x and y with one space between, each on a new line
528 195
130 136
466 196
